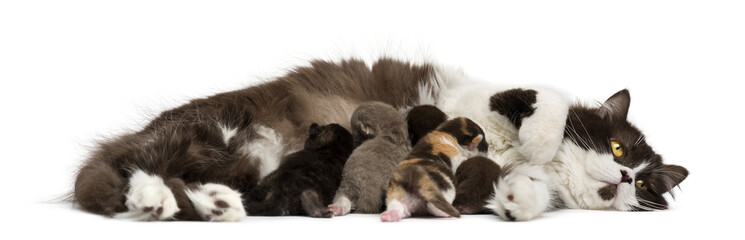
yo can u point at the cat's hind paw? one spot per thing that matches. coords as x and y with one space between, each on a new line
148 199
217 203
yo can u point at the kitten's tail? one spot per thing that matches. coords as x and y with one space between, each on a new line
434 196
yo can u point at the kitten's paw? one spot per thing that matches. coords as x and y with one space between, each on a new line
336 210
520 197
148 199
390 216
321 213
217 202
341 206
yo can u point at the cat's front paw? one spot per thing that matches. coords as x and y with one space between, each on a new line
217 202
520 197
542 132
148 199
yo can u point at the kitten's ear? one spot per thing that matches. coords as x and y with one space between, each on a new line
670 176
366 130
616 106
475 142
313 131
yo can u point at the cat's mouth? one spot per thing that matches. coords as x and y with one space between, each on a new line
608 192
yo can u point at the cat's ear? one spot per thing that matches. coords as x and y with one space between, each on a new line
366 130
313 131
617 106
475 142
669 177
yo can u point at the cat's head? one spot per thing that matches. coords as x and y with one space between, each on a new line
614 168
468 134
332 136
377 119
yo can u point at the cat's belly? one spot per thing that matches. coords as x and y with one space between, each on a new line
472 101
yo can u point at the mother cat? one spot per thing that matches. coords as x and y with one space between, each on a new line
192 162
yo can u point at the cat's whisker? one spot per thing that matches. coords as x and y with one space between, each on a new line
583 126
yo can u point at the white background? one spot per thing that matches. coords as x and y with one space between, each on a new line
76 71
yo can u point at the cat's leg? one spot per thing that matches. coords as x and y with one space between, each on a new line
148 199
524 194
216 202
313 205
539 115
400 204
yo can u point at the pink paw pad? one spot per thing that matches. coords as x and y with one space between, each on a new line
337 210
390 216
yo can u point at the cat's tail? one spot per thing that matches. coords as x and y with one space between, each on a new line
370 200
435 199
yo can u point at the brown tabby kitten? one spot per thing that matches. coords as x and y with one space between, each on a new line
424 181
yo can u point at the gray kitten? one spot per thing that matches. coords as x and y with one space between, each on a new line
381 134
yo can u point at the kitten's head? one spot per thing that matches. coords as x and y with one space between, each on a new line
468 133
620 171
422 120
332 136
377 119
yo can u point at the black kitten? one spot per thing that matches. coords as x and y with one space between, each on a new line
422 120
305 182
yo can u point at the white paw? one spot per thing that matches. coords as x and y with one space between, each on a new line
216 202
341 206
148 199
520 197
541 134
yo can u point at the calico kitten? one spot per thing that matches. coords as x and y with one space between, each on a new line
368 169
424 181
306 180
475 179
422 120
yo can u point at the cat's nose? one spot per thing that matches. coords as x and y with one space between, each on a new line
625 177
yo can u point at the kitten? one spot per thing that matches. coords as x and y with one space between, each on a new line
381 131
424 181
475 179
306 180
422 120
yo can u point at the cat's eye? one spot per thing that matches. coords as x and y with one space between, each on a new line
616 148
640 184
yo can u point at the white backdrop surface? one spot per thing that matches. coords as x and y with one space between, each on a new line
76 71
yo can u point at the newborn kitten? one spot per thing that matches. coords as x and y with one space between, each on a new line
423 119
381 130
475 180
306 180
423 182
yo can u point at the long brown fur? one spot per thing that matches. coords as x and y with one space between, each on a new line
185 144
